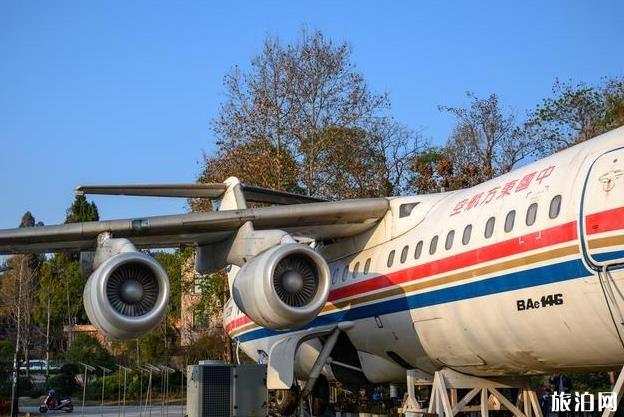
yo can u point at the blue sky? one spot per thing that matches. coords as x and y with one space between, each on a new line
114 92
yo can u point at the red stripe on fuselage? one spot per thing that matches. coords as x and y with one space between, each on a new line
604 221
536 240
241 321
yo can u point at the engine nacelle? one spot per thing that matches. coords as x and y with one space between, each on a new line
127 295
283 288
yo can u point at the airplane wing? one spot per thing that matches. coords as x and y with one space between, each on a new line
318 220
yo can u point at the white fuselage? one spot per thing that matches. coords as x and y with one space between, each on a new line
444 285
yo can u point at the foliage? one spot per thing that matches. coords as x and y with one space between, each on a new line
63 283
591 381
287 119
152 347
6 352
65 381
211 292
24 385
6 358
87 349
82 211
576 113
206 346
485 141
173 263
433 172
17 287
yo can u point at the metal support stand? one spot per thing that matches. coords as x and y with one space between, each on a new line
125 384
87 368
156 369
182 394
104 372
142 370
148 395
445 403
166 370
619 391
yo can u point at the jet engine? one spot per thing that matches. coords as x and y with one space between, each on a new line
284 287
127 295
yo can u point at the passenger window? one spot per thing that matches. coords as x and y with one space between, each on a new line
509 221
418 250
433 245
335 275
404 253
449 239
390 258
555 207
355 270
466 235
367 266
489 227
345 272
531 214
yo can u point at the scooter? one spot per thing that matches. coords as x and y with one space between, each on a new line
51 403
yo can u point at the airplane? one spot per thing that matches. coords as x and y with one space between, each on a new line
520 275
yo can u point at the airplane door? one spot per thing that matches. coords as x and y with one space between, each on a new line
601 224
602 211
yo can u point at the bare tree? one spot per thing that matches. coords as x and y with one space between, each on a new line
486 142
299 106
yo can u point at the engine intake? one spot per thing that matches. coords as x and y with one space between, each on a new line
127 295
283 288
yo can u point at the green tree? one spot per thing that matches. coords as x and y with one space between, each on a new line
82 210
576 113
152 347
87 349
62 283
173 263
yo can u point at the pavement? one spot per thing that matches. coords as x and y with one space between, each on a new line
115 411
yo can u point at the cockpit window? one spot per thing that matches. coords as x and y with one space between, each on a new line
406 209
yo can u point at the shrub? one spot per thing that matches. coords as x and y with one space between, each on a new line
65 382
88 350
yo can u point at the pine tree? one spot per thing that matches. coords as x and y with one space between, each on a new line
82 211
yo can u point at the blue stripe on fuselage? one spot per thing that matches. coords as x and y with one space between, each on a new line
602 257
513 281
